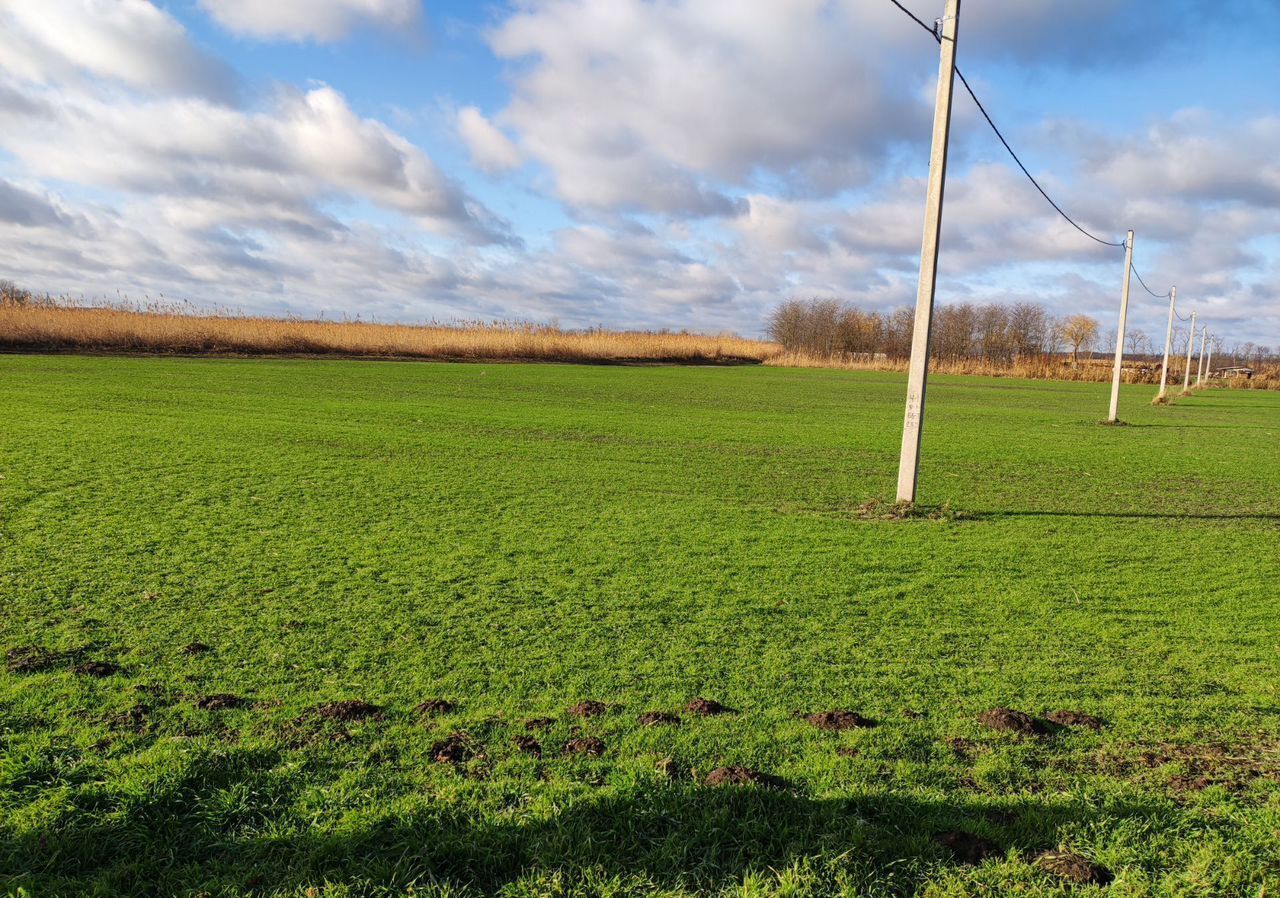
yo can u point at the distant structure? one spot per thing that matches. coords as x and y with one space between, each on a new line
1239 371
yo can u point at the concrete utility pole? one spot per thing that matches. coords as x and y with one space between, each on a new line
1113 415
1204 335
922 335
1191 345
1208 368
1168 345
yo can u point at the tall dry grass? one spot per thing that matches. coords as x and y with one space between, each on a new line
30 323
1042 368
48 325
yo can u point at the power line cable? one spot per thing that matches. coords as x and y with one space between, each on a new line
919 21
1144 284
937 35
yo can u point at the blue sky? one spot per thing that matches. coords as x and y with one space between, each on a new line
630 163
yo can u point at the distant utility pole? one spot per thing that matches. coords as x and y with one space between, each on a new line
1113 415
1204 336
1191 345
922 336
1208 368
1168 345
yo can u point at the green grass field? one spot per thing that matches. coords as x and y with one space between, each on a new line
518 538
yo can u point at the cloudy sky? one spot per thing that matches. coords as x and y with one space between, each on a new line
669 163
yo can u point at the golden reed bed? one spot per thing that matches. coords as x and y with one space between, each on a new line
1097 370
46 325
43 326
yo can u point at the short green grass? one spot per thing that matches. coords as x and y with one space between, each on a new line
516 538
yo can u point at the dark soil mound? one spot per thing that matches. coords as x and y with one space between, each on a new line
96 669
457 749
1073 868
219 702
528 745
967 847
434 706
347 711
584 745
589 709
1006 720
706 707
658 718
742 776
1183 784
32 659
196 648
834 721
1074 719
538 724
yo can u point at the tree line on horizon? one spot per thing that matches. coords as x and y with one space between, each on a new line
991 333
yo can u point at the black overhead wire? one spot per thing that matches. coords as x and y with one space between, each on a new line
936 32
919 21
1144 284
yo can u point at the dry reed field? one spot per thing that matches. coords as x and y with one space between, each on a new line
57 326
1097 370
36 324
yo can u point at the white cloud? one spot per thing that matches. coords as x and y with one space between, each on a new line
666 107
491 150
128 41
306 147
319 20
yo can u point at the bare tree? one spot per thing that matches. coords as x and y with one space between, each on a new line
1137 342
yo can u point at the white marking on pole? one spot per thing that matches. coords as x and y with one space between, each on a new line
1113 414
1168 344
1191 344
918 374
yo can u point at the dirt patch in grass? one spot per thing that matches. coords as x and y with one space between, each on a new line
539 724
1073 868
835 721
348 711
1007 720
587 709
742 776
847 751
658 718
457 749
435 706
880 510
135 720
97 669
196 648
1074 719
589 746
706 707
33 659
968 848
220 701
1196 766
965 748
528 745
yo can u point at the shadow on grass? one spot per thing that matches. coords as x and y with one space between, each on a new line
232 825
